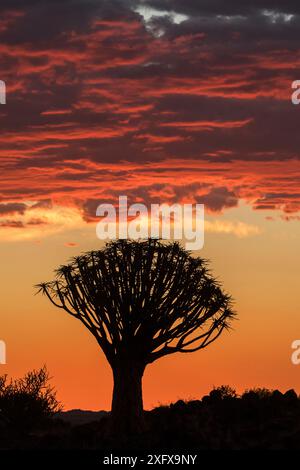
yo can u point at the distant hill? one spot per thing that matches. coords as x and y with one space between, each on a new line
77 417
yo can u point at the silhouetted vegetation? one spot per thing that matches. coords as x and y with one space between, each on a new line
141 300
258 419
26 404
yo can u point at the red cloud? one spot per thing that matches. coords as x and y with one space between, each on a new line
104 107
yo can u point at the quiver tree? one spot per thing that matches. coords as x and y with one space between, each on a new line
141 300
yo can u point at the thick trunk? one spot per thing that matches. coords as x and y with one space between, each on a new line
127 415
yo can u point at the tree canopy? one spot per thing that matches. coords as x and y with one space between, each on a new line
146 298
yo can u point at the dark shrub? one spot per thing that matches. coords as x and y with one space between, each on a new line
27 403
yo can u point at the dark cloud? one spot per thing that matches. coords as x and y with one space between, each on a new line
11 224
12 208
219 198
215 199
36 221
44 21
99 104
42 204
89 206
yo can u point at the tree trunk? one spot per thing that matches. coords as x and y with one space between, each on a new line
127 416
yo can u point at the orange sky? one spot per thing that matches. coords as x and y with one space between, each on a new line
259 270
186 107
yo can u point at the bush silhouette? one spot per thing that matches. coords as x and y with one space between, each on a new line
222 393
28 402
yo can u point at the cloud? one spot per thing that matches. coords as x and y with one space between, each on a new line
11 224
219 198
43 204
101 105
239 229
12 208
40 223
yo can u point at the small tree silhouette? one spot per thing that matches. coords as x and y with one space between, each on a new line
142 300
27 402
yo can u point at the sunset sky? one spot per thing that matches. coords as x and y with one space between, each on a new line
162 101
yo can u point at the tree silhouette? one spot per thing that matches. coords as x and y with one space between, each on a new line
141 300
